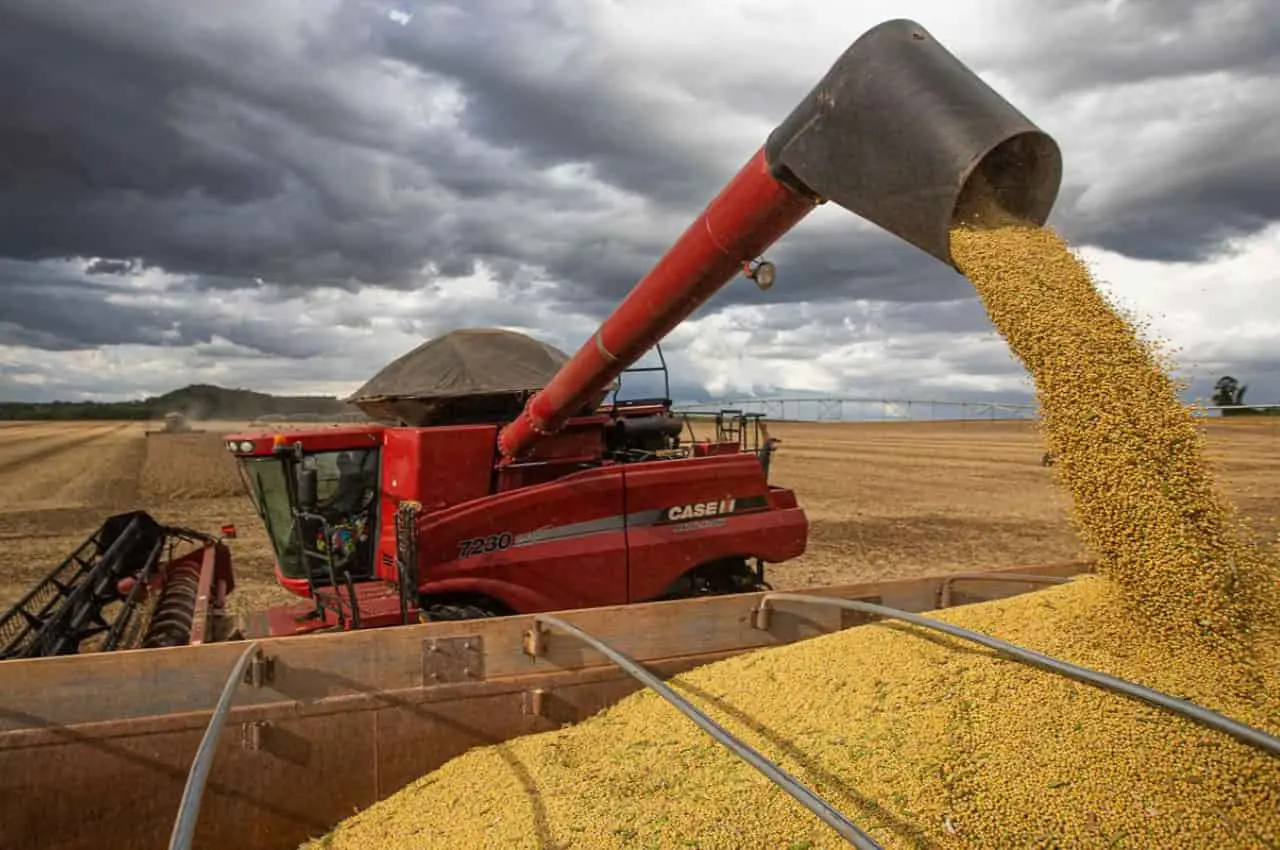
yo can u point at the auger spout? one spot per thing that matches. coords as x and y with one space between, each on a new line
899 131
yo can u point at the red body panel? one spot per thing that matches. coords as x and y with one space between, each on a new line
660 553
581 562
436 467
326 439
582 542
602 535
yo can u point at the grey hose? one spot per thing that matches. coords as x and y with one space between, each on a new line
827 813
184 827
1190 710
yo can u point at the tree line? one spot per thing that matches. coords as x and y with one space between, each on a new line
198 401
1228 394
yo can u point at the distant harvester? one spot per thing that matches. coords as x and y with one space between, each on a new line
175 422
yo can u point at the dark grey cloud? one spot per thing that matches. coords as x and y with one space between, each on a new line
116 267
221 151
536 81
62 311
850 260
276 149
1098 44
1223 184
1191 94
238 156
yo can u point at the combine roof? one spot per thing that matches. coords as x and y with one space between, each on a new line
468 375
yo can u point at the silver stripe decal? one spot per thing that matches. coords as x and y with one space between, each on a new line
617 522
635 519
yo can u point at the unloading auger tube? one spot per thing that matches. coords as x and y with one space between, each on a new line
899 131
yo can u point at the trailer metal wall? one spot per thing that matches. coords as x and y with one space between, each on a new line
94 749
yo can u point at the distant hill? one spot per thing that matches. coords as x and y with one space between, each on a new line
198 402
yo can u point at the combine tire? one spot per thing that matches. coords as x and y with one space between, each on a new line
444 611
718 578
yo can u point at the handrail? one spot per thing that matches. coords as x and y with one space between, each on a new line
811 801
184 826
1186 708
944 593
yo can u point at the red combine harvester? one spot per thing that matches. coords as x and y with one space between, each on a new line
382 524
537 497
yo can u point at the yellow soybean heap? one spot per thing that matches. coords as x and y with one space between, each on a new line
926 741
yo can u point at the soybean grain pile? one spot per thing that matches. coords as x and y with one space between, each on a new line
927 743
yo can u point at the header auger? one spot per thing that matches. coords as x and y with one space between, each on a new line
124 588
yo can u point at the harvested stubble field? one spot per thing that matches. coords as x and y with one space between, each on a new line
58 481
887 499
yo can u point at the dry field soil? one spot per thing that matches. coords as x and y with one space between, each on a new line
884 499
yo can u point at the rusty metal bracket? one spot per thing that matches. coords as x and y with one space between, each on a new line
762 614
535 641
452 659
261 669
251 735
535 701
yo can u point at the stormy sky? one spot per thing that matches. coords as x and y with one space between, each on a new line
287 194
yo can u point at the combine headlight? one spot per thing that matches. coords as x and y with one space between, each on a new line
762 272
765 274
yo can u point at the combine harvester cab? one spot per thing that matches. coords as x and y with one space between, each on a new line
258 745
